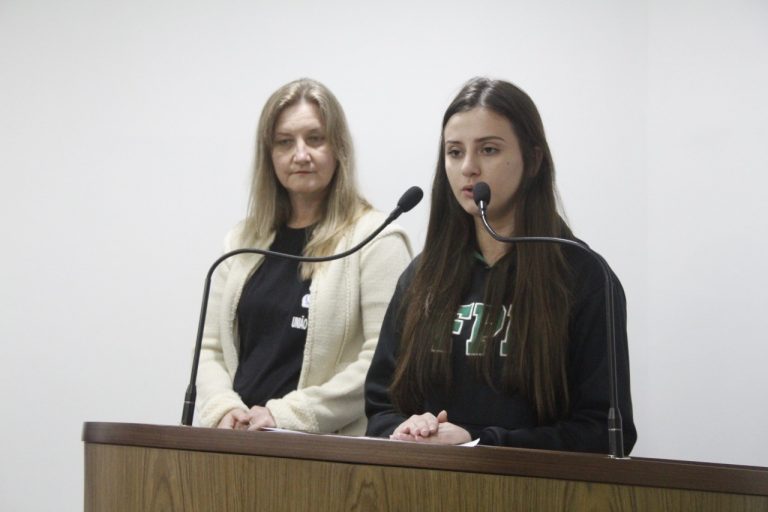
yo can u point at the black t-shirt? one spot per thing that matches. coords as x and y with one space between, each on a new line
272 323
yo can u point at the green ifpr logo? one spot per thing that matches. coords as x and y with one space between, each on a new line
473 312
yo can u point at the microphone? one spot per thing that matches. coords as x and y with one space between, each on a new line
407 201
482 196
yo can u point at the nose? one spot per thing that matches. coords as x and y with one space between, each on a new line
469 166
301 154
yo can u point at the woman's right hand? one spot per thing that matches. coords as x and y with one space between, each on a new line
426 428
419 426
235 419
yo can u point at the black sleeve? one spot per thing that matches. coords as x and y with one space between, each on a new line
585 428
382 416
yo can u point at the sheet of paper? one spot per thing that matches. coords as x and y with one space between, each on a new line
282 430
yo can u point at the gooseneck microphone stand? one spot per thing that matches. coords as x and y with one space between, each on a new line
482 197
407 201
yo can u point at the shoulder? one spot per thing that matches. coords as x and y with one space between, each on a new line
406 278
234 237
370 220
588 269
367 222
237 238
581 259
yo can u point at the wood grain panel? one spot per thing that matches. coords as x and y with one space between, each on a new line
121 478
586 467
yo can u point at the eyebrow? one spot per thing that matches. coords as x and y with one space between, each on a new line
317 129
487 138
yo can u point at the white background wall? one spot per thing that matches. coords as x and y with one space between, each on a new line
126 135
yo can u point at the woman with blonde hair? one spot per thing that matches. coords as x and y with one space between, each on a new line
288 344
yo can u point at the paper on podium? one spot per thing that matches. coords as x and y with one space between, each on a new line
282 430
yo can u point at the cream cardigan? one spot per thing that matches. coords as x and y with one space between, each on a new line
348 299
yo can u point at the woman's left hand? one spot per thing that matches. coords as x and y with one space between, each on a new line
446 432
260 417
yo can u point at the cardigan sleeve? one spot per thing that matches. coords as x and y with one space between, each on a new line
382 415
338 402
214 382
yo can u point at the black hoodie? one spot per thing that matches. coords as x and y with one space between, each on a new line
510 420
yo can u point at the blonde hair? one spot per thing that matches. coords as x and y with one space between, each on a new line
269 206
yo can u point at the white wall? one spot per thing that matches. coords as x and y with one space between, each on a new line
126 134
704 388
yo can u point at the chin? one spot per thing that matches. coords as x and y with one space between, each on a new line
471 209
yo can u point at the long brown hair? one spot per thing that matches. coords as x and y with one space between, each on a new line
532 278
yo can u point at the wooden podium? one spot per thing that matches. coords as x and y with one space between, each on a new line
130 467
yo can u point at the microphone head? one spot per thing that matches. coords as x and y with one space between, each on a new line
410 199
481 192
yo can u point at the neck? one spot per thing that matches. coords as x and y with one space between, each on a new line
491 249
305 211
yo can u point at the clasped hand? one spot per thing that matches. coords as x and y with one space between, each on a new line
254 419
430 429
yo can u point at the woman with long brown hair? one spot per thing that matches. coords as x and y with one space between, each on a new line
487 340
